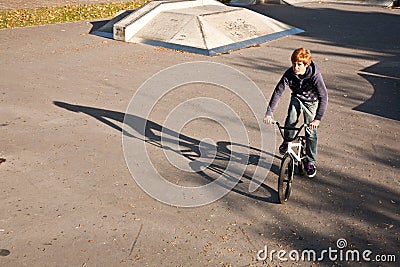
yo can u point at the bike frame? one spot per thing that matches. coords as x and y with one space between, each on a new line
291 152
293 145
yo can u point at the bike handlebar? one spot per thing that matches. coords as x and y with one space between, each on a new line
281 128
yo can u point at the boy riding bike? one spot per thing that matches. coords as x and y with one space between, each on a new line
309 95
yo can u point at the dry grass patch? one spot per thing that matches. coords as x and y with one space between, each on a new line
51 15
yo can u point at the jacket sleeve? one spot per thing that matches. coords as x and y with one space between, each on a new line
322 97
277 94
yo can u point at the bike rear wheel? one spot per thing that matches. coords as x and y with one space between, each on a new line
285 179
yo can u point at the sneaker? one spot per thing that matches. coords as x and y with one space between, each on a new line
311 170
283 148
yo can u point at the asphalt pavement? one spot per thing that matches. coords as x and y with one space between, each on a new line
67 195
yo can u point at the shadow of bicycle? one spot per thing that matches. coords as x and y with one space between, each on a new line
150 132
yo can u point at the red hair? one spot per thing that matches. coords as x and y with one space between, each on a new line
301 55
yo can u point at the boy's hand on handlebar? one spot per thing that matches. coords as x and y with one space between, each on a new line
268 119
314 124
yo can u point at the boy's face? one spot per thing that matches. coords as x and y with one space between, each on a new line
299 68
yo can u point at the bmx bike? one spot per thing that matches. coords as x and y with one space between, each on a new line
294 156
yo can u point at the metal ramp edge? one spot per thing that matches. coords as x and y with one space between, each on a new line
222 49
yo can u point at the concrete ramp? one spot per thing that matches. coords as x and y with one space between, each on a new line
107 29
211 29
199 26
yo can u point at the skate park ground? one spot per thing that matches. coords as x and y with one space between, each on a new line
68 198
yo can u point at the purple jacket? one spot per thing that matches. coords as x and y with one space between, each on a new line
310 88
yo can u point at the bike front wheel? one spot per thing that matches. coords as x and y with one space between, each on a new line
285 179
